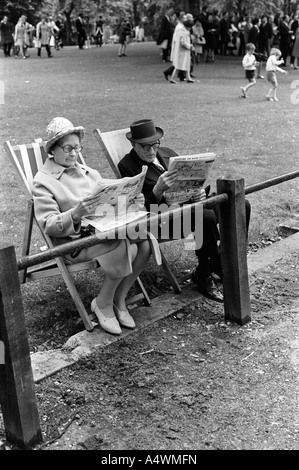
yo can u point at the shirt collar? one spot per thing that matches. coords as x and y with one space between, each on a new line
141 162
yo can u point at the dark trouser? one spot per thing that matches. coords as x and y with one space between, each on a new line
165 54
224 44
181 73
208 255
284 47
81 39
99 40
241 50
6 48
47 49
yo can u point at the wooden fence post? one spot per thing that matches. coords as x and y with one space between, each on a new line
233 239
17 394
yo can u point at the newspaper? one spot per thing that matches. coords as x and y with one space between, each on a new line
193 171
117 206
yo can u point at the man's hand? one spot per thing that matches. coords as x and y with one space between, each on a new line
165 181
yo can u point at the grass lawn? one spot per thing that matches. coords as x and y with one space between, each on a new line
252 138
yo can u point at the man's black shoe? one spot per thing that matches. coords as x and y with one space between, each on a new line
207 287
165 75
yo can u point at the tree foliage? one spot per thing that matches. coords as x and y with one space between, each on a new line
16 8
148 12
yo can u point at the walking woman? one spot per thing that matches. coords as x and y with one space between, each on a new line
181 49
19 38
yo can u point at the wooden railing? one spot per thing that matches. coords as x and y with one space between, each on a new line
17 395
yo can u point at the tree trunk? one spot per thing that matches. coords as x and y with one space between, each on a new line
136 14
68 26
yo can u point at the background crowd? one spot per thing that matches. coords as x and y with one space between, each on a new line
213 33
50 33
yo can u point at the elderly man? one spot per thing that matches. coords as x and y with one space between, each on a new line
146 150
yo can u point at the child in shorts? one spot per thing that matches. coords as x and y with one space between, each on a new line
271 67
249 63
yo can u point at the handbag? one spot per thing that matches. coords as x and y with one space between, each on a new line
37 43
164 44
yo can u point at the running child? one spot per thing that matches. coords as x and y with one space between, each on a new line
272 64
250 64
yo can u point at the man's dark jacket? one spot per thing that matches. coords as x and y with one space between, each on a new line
166 31
131 165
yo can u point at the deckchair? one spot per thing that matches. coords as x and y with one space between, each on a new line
27 160
115 146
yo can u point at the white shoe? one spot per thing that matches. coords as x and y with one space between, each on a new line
124 317
110 325
275 99
269 98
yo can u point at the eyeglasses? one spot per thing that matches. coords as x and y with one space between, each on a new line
69 148
146 148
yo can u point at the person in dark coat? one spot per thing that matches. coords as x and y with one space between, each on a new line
285 34
253 38
293 26
211 31
81 31
146 150
165 34
124 32
6 30
224 27
265 34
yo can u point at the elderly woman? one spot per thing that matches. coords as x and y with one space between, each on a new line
61 198
181 48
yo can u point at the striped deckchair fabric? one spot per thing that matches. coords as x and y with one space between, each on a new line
27 159
114 145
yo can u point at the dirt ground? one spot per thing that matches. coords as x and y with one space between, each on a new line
190 382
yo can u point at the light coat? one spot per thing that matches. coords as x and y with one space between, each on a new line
43 32
56 191
19 36
181 45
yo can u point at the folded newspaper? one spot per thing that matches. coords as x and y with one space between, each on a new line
117 206
193 171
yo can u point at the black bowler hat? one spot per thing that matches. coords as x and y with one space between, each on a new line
144 132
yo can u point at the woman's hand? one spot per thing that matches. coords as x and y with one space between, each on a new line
139 200
86 206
